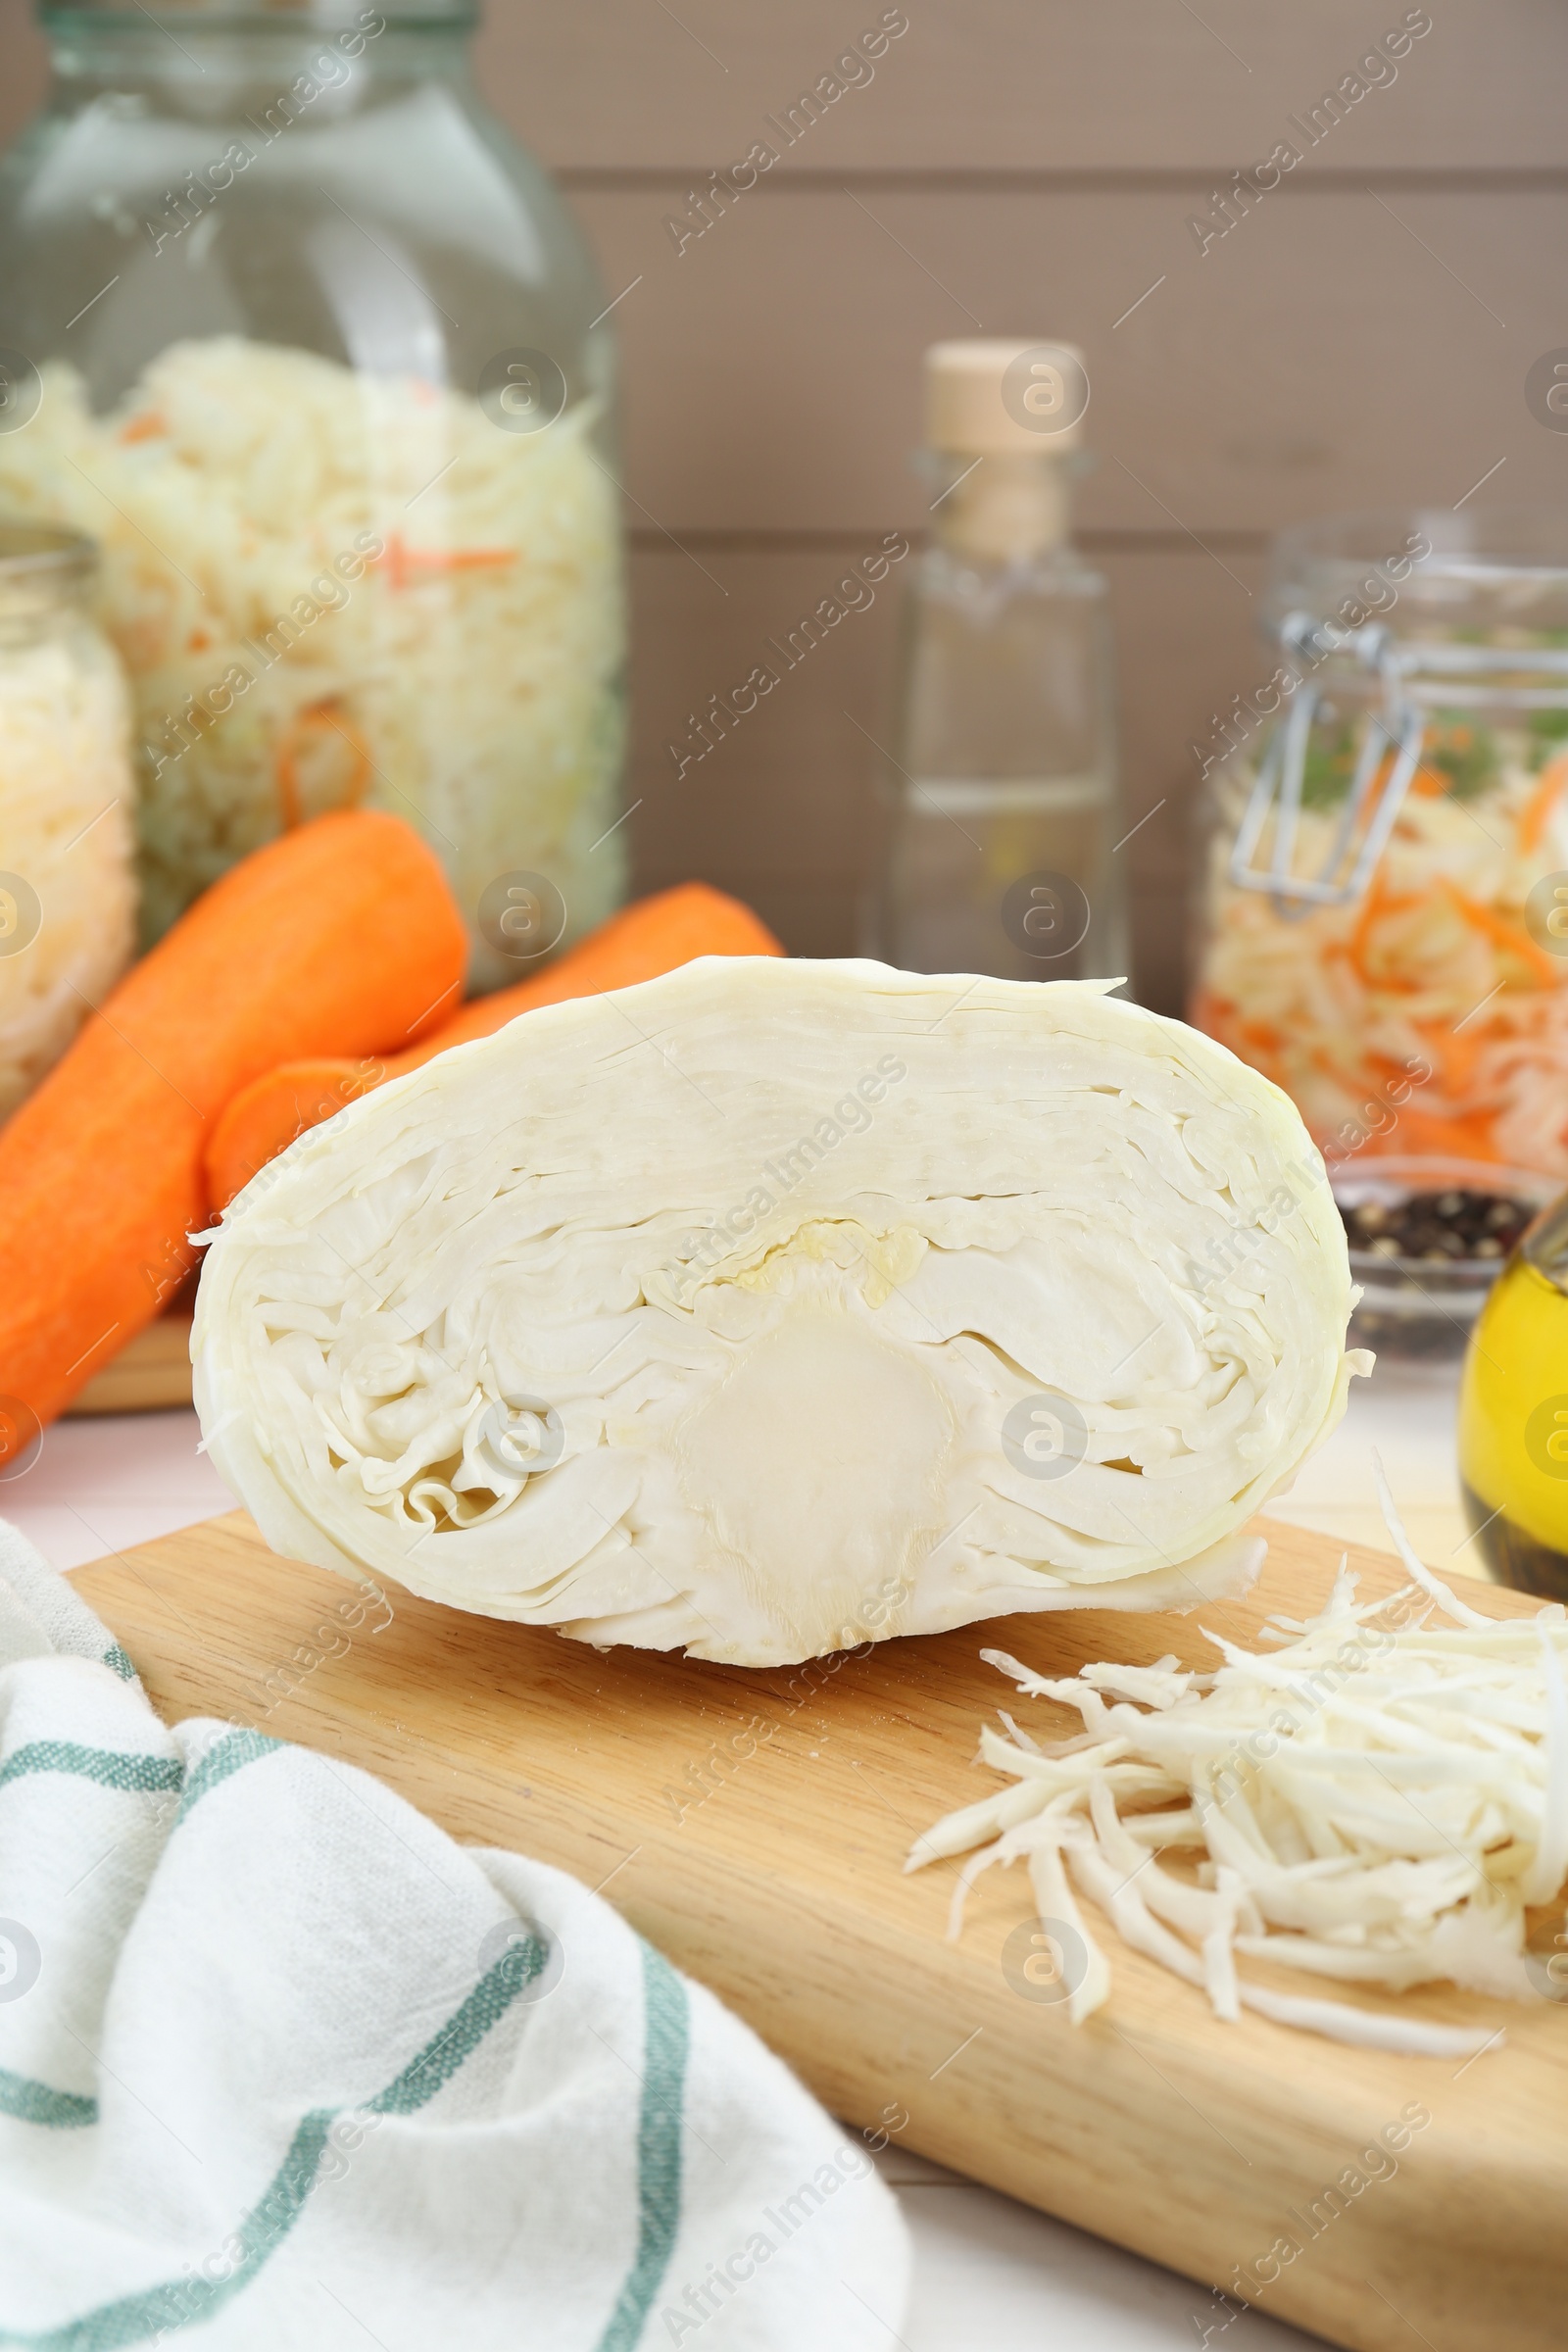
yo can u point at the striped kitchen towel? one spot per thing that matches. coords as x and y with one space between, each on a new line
282 2066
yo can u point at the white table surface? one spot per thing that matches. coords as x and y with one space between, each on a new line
988 2272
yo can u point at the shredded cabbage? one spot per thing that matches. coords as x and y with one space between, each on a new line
66 831
1377 1798
1431 982
467 679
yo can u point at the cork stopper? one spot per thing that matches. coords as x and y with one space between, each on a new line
988 397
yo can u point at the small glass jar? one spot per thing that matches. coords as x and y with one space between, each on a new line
1002 810
314 350
1428 1238
1513 1416
1383 900
68 893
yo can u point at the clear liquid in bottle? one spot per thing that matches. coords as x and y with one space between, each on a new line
1002 809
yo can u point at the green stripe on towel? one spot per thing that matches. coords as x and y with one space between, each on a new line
34 2102
186 2302
440 2059
142 1774
226 1755
182 2302
666 2036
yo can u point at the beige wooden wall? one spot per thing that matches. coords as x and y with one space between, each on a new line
1025 166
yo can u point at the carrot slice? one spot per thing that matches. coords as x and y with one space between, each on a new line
655 936
148 426
405 565
338 939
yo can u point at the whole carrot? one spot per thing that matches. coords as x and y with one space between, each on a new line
342 938
639 944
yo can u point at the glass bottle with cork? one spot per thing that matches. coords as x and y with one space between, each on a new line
1003 804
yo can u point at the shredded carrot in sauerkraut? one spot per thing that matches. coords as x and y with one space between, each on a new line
1428 1017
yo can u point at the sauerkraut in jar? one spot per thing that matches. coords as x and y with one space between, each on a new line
330 588
1383 905
68 896
315 351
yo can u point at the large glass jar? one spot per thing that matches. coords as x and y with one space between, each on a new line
294 329
1383 902
68 893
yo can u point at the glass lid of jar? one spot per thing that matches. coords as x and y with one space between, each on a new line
1410 610
1422 568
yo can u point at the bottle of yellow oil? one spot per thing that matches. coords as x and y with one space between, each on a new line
1513 1415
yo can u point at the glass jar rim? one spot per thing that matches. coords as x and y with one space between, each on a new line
44 554
1477 544
1474 589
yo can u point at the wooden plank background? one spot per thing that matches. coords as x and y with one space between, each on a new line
1023 167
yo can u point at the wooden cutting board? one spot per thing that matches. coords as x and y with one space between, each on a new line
753 1826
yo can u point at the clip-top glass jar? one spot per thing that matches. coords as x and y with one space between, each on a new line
1384 897
315 351
67 891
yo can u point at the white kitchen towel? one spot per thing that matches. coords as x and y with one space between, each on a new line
282 2066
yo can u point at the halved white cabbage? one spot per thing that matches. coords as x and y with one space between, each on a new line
771 1307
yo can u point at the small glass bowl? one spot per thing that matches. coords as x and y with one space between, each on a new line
1425 1306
